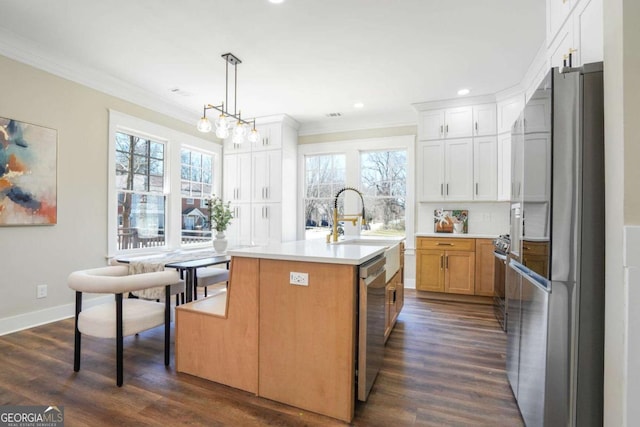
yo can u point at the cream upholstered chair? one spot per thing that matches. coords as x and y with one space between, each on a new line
121 317
207 276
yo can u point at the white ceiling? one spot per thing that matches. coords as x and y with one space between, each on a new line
304 58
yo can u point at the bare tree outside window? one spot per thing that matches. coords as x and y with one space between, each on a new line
384 182
196 183
324 177
140 185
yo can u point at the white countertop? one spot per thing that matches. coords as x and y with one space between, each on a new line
458 235
312 251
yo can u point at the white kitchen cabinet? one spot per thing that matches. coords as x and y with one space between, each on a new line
431 170
239 231
508 112
485 168
517 160
446 169
557 14
267 176
270 136
261 184
484 119
265 223
445 123
237 177
581 34
231 147
504 166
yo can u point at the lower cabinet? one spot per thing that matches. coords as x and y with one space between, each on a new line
394 296
445 265
454 265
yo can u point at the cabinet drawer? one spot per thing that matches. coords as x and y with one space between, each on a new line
449 244
535 248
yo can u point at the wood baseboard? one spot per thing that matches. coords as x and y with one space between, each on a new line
440 296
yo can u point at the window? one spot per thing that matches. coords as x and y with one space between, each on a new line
159 183
380 167
383 178
324 177
196 183
140 184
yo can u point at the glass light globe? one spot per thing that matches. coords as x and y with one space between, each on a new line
239 130
204 125
237 138
223 122
254 136
222 132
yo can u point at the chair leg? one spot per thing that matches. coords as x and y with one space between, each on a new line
76 346
167 324
119 340
205 291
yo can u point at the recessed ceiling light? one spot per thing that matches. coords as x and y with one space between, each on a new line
358 105
276 1
463 92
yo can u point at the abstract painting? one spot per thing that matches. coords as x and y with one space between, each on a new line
28 185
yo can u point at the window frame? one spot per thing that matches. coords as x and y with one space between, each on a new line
174 140
352 150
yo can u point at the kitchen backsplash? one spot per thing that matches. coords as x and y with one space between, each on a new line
484 218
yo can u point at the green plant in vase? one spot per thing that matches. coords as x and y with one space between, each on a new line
220 217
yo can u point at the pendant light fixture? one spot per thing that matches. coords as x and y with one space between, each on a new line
226 123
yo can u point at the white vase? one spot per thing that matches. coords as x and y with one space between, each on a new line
220 243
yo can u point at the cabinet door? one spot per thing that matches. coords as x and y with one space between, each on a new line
267 169
508 112
485 265
458 169
459 272
484 119
517 160
270 136
430 270
588 32
230 147
239 231
237 177
557 13
537 117
431 125
431 170
485 168
504 166
265 223
458 122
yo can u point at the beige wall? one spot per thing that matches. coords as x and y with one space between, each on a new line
47 254
622 158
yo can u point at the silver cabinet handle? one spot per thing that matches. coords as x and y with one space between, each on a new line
447 189
446 128
476 127
441 189
476 188
441 129
266 212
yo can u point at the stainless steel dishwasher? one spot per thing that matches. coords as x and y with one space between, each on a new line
371 310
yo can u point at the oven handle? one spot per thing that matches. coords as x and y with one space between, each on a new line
500 256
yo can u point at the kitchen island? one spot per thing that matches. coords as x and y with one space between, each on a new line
294 343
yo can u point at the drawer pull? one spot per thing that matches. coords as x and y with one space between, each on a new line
444 244
441 262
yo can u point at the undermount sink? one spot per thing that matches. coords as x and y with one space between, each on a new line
391 253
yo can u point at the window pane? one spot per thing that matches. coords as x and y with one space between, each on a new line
156 167
185 171
140 146
383 180
140 182
156 150
156 184
195 221
141 221
324 176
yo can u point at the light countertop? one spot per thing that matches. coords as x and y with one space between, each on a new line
458 235
312 251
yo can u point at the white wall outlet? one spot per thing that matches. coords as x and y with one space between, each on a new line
41 291
300 279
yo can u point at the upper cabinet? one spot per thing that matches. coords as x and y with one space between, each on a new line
445 169
484 119
445 123
508 112
574 27
270 136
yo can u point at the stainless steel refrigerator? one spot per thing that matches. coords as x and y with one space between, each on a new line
555 279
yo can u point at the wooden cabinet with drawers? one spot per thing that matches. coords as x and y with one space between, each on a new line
535 255
445 265
454 265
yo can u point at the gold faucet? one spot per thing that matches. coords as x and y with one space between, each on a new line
347 217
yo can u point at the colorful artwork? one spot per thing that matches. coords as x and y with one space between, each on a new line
450 221
28 161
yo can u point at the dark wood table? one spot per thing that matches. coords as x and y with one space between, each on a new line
187 263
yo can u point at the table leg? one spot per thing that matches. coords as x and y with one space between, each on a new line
189 284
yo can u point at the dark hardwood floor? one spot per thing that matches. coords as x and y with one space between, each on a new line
444 366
